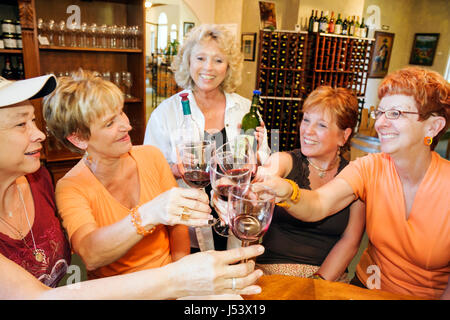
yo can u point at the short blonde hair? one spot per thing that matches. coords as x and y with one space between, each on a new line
226 42
76 102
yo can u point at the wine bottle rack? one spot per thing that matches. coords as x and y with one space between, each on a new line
292 64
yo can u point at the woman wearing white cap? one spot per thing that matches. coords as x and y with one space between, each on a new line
32 243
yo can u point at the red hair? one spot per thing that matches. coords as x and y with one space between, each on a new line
428 88
341 103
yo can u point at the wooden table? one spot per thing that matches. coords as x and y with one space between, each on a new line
278 287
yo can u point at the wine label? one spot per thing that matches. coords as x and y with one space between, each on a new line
338 29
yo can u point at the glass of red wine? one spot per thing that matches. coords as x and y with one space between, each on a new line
225 173
242 150
250 209
194 161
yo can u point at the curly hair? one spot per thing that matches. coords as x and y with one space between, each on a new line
341 103
227 44
428 88
76 102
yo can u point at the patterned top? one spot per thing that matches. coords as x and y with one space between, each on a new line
48 234
289 240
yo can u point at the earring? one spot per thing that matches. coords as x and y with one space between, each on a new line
428 141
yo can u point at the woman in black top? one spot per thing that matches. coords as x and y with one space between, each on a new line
323 248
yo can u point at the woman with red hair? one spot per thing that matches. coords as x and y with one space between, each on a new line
405 189
324 248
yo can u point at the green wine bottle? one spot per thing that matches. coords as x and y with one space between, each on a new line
251 120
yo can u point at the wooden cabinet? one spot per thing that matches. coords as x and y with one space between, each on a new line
292 64
59 59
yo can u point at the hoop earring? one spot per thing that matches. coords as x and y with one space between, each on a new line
428 141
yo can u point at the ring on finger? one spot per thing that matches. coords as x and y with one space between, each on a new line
233 284
185 214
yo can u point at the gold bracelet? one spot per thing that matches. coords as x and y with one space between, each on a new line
295 197
137 223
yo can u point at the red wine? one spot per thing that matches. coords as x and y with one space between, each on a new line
196 178
222 191
247 228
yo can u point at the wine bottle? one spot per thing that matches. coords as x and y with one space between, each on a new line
316 23
7 71
338 25
345 27
331 24
357 27
311 22
323 26
189 131
363 29
251 120
351 27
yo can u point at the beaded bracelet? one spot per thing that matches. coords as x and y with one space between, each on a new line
317 276
137 223
295 197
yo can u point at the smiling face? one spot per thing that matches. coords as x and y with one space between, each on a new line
319 134
20 139
403 134
109 135
208 66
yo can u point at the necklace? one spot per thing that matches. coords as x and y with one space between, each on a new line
323 172
38 254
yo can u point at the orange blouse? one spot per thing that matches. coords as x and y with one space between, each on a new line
82 199
405 256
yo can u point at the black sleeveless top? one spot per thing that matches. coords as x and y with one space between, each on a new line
289 240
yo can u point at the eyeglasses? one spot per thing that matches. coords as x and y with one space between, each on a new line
392 114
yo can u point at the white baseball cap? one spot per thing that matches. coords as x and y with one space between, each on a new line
12 92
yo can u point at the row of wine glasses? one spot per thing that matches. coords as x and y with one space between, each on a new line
123 79
88 36
243 207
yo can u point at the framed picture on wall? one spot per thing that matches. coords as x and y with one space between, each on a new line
267 15
248 43
381 54
424 49
187 26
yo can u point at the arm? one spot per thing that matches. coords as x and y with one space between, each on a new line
203 273
314 205
180 244
279 164
345 249
102 246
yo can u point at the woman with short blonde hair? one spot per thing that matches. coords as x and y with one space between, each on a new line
77 101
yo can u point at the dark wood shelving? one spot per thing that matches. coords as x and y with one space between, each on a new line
11 51
59 48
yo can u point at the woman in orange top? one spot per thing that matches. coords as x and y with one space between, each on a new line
405 189
95 197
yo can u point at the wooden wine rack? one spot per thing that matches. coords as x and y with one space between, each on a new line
292 64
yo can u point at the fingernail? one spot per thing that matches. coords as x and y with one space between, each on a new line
261 249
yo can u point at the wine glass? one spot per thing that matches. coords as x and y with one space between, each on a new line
194 162
237 172
62 33
250 209
128 83
241 148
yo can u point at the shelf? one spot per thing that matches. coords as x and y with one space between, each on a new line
11 51
132 100
58 48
